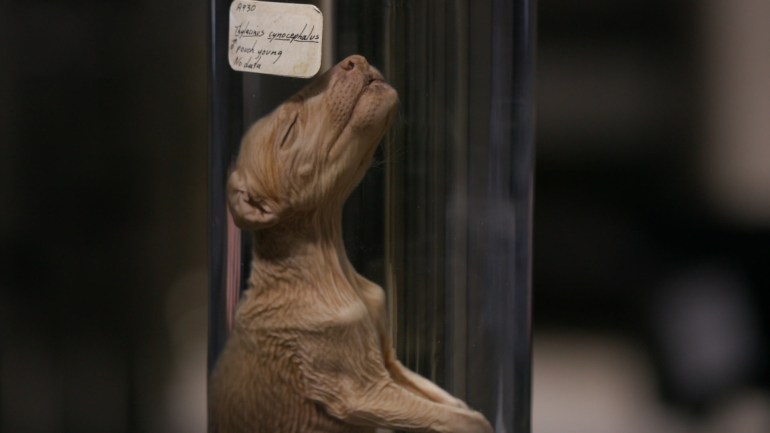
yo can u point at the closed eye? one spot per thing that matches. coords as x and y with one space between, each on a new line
289 129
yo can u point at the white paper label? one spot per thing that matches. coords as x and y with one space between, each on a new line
275 38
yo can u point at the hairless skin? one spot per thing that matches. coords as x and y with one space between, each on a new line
310 351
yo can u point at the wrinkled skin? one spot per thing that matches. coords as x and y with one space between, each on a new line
309 351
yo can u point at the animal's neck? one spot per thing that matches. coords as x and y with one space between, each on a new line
306 247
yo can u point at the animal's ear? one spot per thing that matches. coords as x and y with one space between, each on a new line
250 212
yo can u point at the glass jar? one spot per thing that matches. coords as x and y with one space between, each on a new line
442 220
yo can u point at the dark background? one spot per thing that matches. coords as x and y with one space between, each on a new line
652 216
103 216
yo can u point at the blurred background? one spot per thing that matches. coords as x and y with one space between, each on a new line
652 216
103 173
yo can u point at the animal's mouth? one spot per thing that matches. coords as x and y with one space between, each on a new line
360 116
372 81
359 113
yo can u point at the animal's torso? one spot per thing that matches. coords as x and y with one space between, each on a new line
309 352
282 354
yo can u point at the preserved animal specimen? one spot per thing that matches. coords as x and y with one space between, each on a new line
310 351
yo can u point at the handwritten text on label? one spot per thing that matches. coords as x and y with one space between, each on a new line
275 38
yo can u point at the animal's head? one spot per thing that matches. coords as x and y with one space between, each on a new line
314 148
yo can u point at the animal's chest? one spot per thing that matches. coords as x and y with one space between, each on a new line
339 330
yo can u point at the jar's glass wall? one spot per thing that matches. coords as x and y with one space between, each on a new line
442 219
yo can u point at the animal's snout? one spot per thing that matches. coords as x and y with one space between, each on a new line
355 62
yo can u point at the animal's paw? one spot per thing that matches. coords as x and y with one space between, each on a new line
481 424
456 402
468 421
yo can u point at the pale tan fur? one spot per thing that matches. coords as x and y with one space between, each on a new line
310 351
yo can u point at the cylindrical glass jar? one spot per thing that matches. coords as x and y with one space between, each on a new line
442 220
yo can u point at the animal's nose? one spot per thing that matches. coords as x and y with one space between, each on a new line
355 62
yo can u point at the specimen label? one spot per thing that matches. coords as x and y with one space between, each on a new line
275 38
